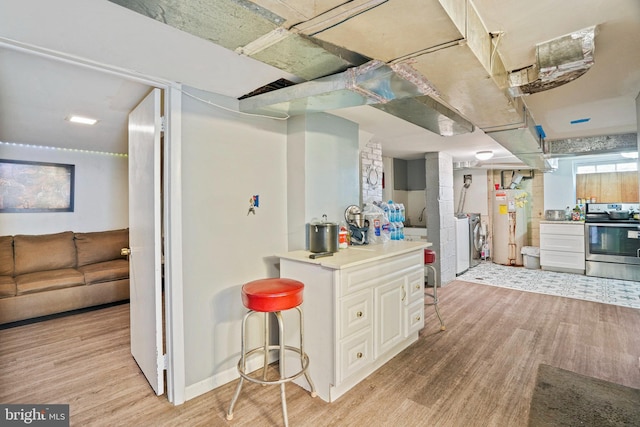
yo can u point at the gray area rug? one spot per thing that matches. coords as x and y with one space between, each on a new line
564 398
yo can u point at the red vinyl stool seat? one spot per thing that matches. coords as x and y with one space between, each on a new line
429 261
272 296
429 256
269 295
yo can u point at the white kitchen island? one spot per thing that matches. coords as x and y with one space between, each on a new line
362 306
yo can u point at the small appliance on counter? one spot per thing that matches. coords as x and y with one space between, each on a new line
557 215
358 225
323 236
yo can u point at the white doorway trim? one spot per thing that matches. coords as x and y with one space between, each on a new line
171 205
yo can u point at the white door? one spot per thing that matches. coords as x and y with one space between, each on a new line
145 239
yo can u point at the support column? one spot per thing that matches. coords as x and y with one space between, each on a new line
440 214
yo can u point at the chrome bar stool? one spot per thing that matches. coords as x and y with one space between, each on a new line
429 260
272 296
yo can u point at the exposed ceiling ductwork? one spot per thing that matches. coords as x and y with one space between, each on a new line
592 145
558 62
416 46
397 89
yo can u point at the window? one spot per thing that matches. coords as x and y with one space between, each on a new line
608 181
624 166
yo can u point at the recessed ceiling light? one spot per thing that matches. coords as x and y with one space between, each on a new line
82 120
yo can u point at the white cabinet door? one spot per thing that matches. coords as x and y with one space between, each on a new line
389 306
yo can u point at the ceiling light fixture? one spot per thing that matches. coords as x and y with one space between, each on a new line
82 120
630 155
484 155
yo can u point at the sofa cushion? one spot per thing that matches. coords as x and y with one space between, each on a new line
44 252
7 287
100 246
48 280
105 271
6 255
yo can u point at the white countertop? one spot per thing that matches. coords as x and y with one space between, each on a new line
356 255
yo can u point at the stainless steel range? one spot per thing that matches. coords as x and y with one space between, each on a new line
612 240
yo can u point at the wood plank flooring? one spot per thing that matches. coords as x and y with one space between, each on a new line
479 372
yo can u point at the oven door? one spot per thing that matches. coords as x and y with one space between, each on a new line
612 242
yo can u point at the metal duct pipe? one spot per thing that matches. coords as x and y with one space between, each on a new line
558 62
397 89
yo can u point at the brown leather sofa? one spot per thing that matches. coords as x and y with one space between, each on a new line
54 273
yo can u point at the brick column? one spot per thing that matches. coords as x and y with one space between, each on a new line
371 172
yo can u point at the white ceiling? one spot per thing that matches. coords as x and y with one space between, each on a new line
38 92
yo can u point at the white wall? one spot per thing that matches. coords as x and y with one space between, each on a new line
559 186
476 198
227 159
231 158
322 166
332 166
101 193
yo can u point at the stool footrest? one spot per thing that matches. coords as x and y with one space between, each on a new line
303 358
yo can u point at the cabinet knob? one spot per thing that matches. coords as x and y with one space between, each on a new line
359 314
417 318
417 285
359 355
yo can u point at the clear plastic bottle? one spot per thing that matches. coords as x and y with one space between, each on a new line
400 228
393 231
402 213
485 251
387 210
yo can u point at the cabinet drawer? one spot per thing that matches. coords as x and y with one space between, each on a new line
355 354
356 313
570 229
414 318
415 284
565 243
561 259
358 278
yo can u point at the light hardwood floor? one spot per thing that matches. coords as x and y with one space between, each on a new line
479 372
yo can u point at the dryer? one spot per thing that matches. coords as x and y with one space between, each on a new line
476 238
462 243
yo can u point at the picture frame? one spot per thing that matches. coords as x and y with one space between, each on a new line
27 186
